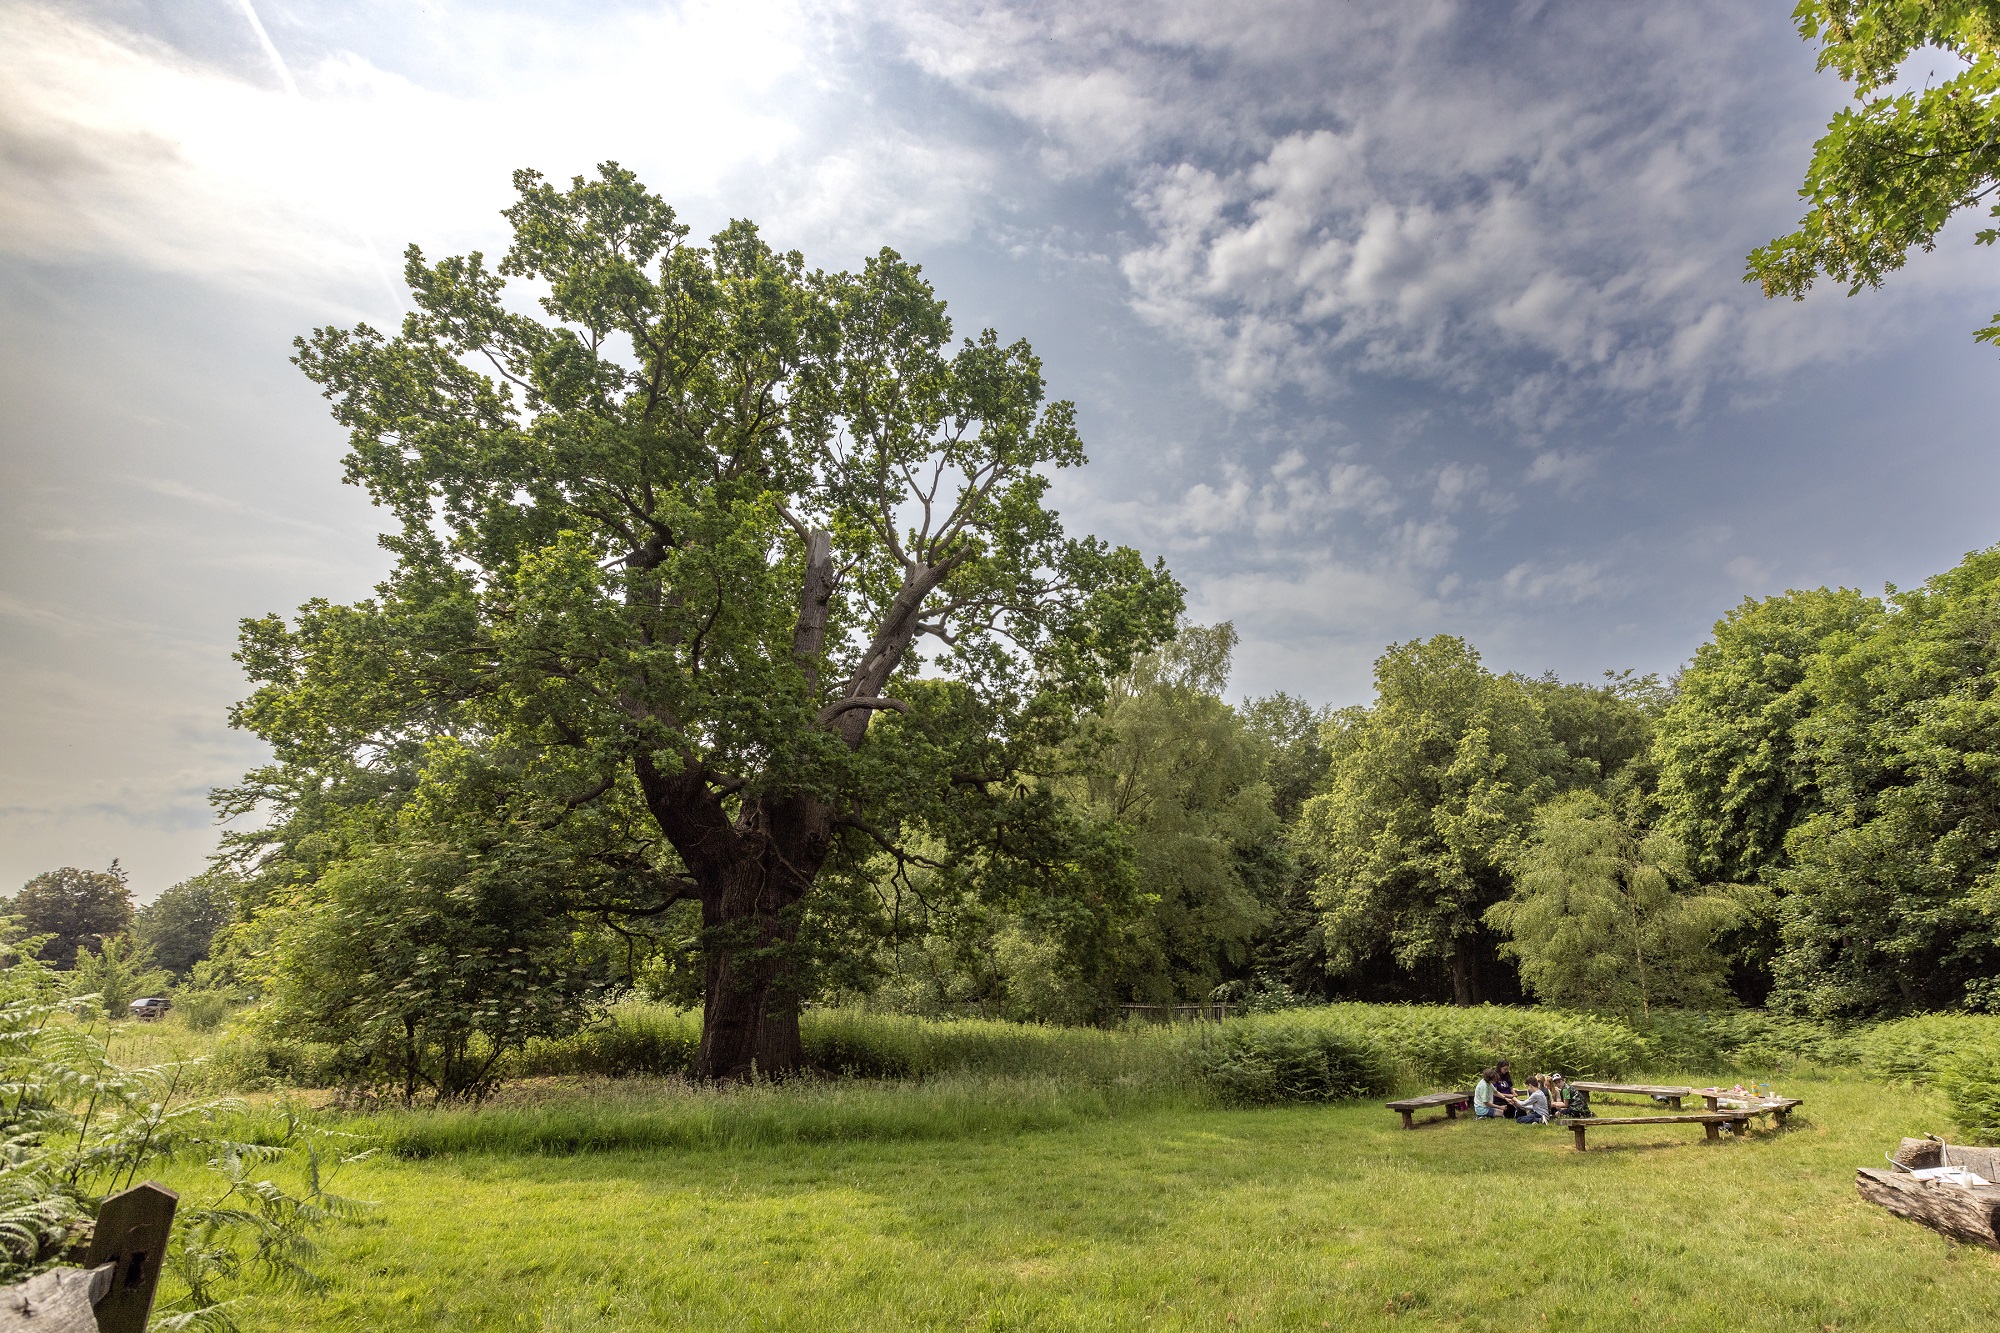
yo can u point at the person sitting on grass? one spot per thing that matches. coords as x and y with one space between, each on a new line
1503 1090
1534 1108
1564 1100
1482 1096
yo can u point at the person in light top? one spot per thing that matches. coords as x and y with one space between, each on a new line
1482 1096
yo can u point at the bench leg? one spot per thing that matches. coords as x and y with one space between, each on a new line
1577 1129
1407 1122
1674 1102
1778 1118
1451 1111
1714 1131
1710 1103
1739 1127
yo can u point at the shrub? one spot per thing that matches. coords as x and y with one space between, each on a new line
1436 1045
1917 1050
1970 1081
1258 1061
1743 1039
203 1010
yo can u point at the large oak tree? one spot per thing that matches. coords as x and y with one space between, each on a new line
672 546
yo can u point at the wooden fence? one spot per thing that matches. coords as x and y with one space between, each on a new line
1180 1013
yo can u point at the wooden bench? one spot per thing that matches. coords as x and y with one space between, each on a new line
1450 1101
1658 1092
1776 1107
1712 1121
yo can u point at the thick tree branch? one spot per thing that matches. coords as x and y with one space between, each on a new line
840 706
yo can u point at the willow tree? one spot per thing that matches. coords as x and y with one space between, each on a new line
753 549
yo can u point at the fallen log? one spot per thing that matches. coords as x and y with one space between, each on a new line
1917 1154
1964 1212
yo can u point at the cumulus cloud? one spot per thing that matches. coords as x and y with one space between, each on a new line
1541 206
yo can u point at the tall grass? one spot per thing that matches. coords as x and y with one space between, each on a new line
640 1038
1324 1053
603 1116
1374 1048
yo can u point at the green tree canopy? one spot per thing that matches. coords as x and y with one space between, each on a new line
180 925
1183 775
1428 791
740 572
1732 783
1893 884
1605 916
74 908
1892 169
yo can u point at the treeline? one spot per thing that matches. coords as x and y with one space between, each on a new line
85 924
1805 819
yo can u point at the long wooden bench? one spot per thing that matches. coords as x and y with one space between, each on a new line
1658 1092
1776 1107
1712 1121
1450 1101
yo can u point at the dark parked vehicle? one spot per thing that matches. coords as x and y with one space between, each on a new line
150 1008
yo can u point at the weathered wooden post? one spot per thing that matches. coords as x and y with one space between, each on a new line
57 1301
132 1235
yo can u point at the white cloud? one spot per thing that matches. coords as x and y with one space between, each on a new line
1544 207
114 144
1565 469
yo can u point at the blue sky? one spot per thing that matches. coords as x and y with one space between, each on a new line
1383 319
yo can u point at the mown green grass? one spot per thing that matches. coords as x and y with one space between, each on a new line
1169 1216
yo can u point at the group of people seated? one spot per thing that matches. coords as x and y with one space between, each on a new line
1546 1096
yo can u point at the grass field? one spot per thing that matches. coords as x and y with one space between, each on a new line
1048 1209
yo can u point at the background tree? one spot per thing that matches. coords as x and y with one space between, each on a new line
672 551
1732 783
1170 771
1605 916
74 908
1183 776
117 970
1427 792
1891 170
1890 884
1289 956
180 925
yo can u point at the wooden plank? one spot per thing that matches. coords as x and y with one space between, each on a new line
1680 1118
1963 1212
1428 1099
1646 1089
1450 1101
58 1301
1710 1121
132 1235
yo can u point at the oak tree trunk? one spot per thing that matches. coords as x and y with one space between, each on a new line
750 1007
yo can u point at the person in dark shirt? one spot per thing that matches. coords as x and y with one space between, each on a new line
1503 1091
